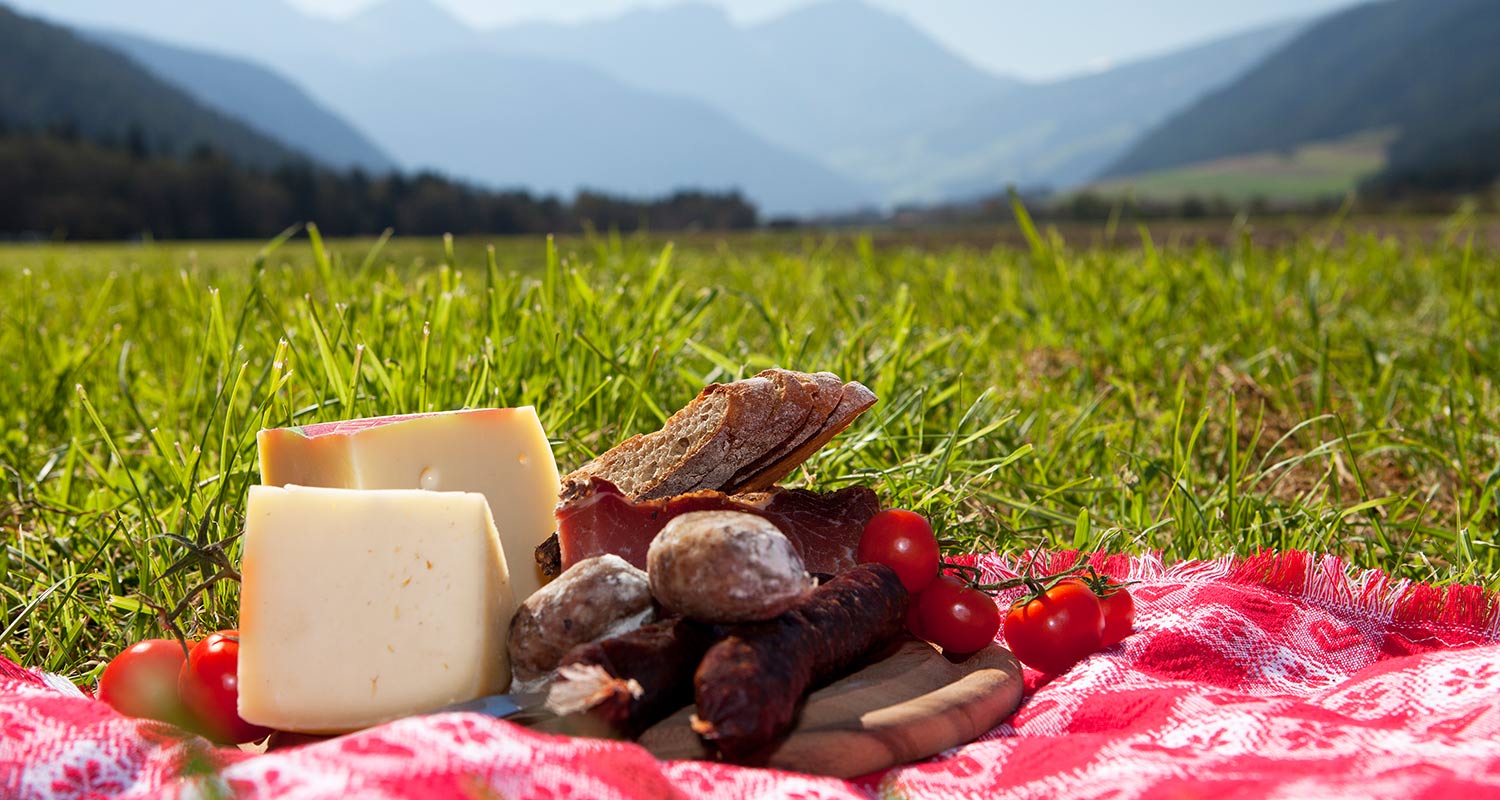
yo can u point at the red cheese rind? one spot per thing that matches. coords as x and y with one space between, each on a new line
318 454
345 427
289 457
595 519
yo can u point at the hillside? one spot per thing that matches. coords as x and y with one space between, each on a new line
53 79
830 106
1313 171
1461 162
434 94
1058 133
258 97
1426 68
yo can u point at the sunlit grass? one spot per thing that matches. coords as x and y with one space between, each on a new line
1200 401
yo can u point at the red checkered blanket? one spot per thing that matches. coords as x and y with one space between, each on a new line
1274 676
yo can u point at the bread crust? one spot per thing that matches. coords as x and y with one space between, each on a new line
752 402
733 437
631 464
855 399
827 390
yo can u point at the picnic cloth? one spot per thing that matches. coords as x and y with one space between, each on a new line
1279 675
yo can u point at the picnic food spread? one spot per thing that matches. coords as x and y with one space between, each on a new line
400 565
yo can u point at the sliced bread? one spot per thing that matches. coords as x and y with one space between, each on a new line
855 399
753 407
689 446
827 389
756 438
641 458
740 436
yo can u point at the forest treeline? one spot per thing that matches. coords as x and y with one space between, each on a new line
57 185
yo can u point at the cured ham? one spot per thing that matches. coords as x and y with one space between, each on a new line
595 518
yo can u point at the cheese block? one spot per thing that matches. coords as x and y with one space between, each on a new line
501 453
358 607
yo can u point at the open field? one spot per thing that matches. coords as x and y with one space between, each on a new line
1310 172
1333 392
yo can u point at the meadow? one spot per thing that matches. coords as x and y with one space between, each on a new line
1307 173
1332 392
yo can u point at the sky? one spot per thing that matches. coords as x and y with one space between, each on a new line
1032 39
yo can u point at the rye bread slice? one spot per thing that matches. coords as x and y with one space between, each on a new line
753 406
798 404
826 391
692 447
640 458
855 399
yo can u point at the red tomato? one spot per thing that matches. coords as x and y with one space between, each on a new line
914 618
210 686
1118 608
1057 630
956 617
903 541
142 681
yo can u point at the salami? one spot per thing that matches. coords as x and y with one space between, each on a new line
633 680
597 598
749 685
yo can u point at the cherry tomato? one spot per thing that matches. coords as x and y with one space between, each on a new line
957 617
1118 608
1056 630
914 619
903 541
210 687
142 681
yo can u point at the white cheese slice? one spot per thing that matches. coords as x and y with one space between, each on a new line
358 607
501 453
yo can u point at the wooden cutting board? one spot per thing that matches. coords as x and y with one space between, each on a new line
911 704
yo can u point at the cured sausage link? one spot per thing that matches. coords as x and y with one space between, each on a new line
750 684
633 680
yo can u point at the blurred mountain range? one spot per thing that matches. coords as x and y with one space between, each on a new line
257 95
1426 71
54 80
831 106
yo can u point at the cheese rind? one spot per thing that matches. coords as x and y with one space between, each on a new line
358 607
501 453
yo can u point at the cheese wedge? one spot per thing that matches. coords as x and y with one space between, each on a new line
501 453
358 607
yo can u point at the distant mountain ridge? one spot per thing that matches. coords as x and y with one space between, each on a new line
1427 68
258 97
820 79
1062 133
52 78
501 120
831 106
617 139
398 29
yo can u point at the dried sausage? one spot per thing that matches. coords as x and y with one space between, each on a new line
595 598
749 685
634 680
725 566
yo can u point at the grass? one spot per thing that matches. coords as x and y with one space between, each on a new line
1198 400
1310 172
